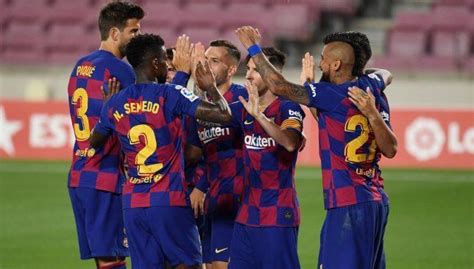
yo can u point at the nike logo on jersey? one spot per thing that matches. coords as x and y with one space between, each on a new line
220 250
247 122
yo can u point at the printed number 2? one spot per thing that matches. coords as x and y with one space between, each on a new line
150 147
351 148
80 96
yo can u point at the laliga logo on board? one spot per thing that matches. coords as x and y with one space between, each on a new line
425 139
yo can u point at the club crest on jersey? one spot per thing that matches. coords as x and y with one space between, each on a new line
186 93
257 142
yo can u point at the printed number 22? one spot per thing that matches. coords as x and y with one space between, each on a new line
80 96
149 148
351 148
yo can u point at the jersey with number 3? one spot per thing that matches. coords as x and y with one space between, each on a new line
348 151
148 119
100 170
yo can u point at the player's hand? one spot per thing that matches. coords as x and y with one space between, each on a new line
204 76
364 101
197 201
196 57
307 69
248 36
182 60
252 104
114 87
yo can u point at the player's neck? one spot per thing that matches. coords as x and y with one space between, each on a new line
224 87
342 77
266 99
104 45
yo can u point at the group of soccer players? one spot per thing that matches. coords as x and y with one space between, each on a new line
151 156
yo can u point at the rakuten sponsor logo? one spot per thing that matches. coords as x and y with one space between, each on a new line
425 139
209 134
258 142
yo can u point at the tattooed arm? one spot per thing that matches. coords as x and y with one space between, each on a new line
270 75
219 110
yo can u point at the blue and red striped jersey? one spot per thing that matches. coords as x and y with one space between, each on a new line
222 152
148 119
103 171
348 151
269 197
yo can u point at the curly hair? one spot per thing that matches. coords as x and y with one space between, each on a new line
233 51
116 14
359 43
142 47
274 56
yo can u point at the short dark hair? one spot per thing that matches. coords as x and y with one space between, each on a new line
142 47
359 43
116 14
274 56
233 51
169 54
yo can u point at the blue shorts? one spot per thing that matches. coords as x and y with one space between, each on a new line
204 226
221 238
352 237
264 248
162 234
99 223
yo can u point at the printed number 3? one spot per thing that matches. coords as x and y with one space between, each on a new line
351 148
150 147
80 96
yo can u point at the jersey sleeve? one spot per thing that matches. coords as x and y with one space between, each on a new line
105 126
384 109
376 81
181 101
325 96
292 117
181 78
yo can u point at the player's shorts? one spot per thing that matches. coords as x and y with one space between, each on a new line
352 237
204 226
264 248
99 223
221 238
161 234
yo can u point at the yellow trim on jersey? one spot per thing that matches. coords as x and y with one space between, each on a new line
291 123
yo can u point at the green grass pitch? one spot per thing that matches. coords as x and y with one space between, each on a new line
431 223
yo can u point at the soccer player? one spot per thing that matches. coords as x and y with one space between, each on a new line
266 229
221 147
95 183
147 117
354 131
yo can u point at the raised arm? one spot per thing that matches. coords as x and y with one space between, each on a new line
384 137
274 79
219 110
385 74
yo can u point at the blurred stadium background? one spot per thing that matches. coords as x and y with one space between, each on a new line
427 44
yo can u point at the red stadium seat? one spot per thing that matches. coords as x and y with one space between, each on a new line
201 34
27 11
450 18
407 43
412 20
67 56
468 65
256 14
436 64
346 7
162 14
65 35
201 14
26 34
168 34
292 21
22 55
450 44
392 62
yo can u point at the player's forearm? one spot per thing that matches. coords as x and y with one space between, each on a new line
384 137
385 74
211 112
282 137
277 83
97 140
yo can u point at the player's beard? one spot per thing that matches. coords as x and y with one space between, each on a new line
122 49
324 77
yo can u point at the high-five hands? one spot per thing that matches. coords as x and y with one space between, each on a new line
182 53
248 36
